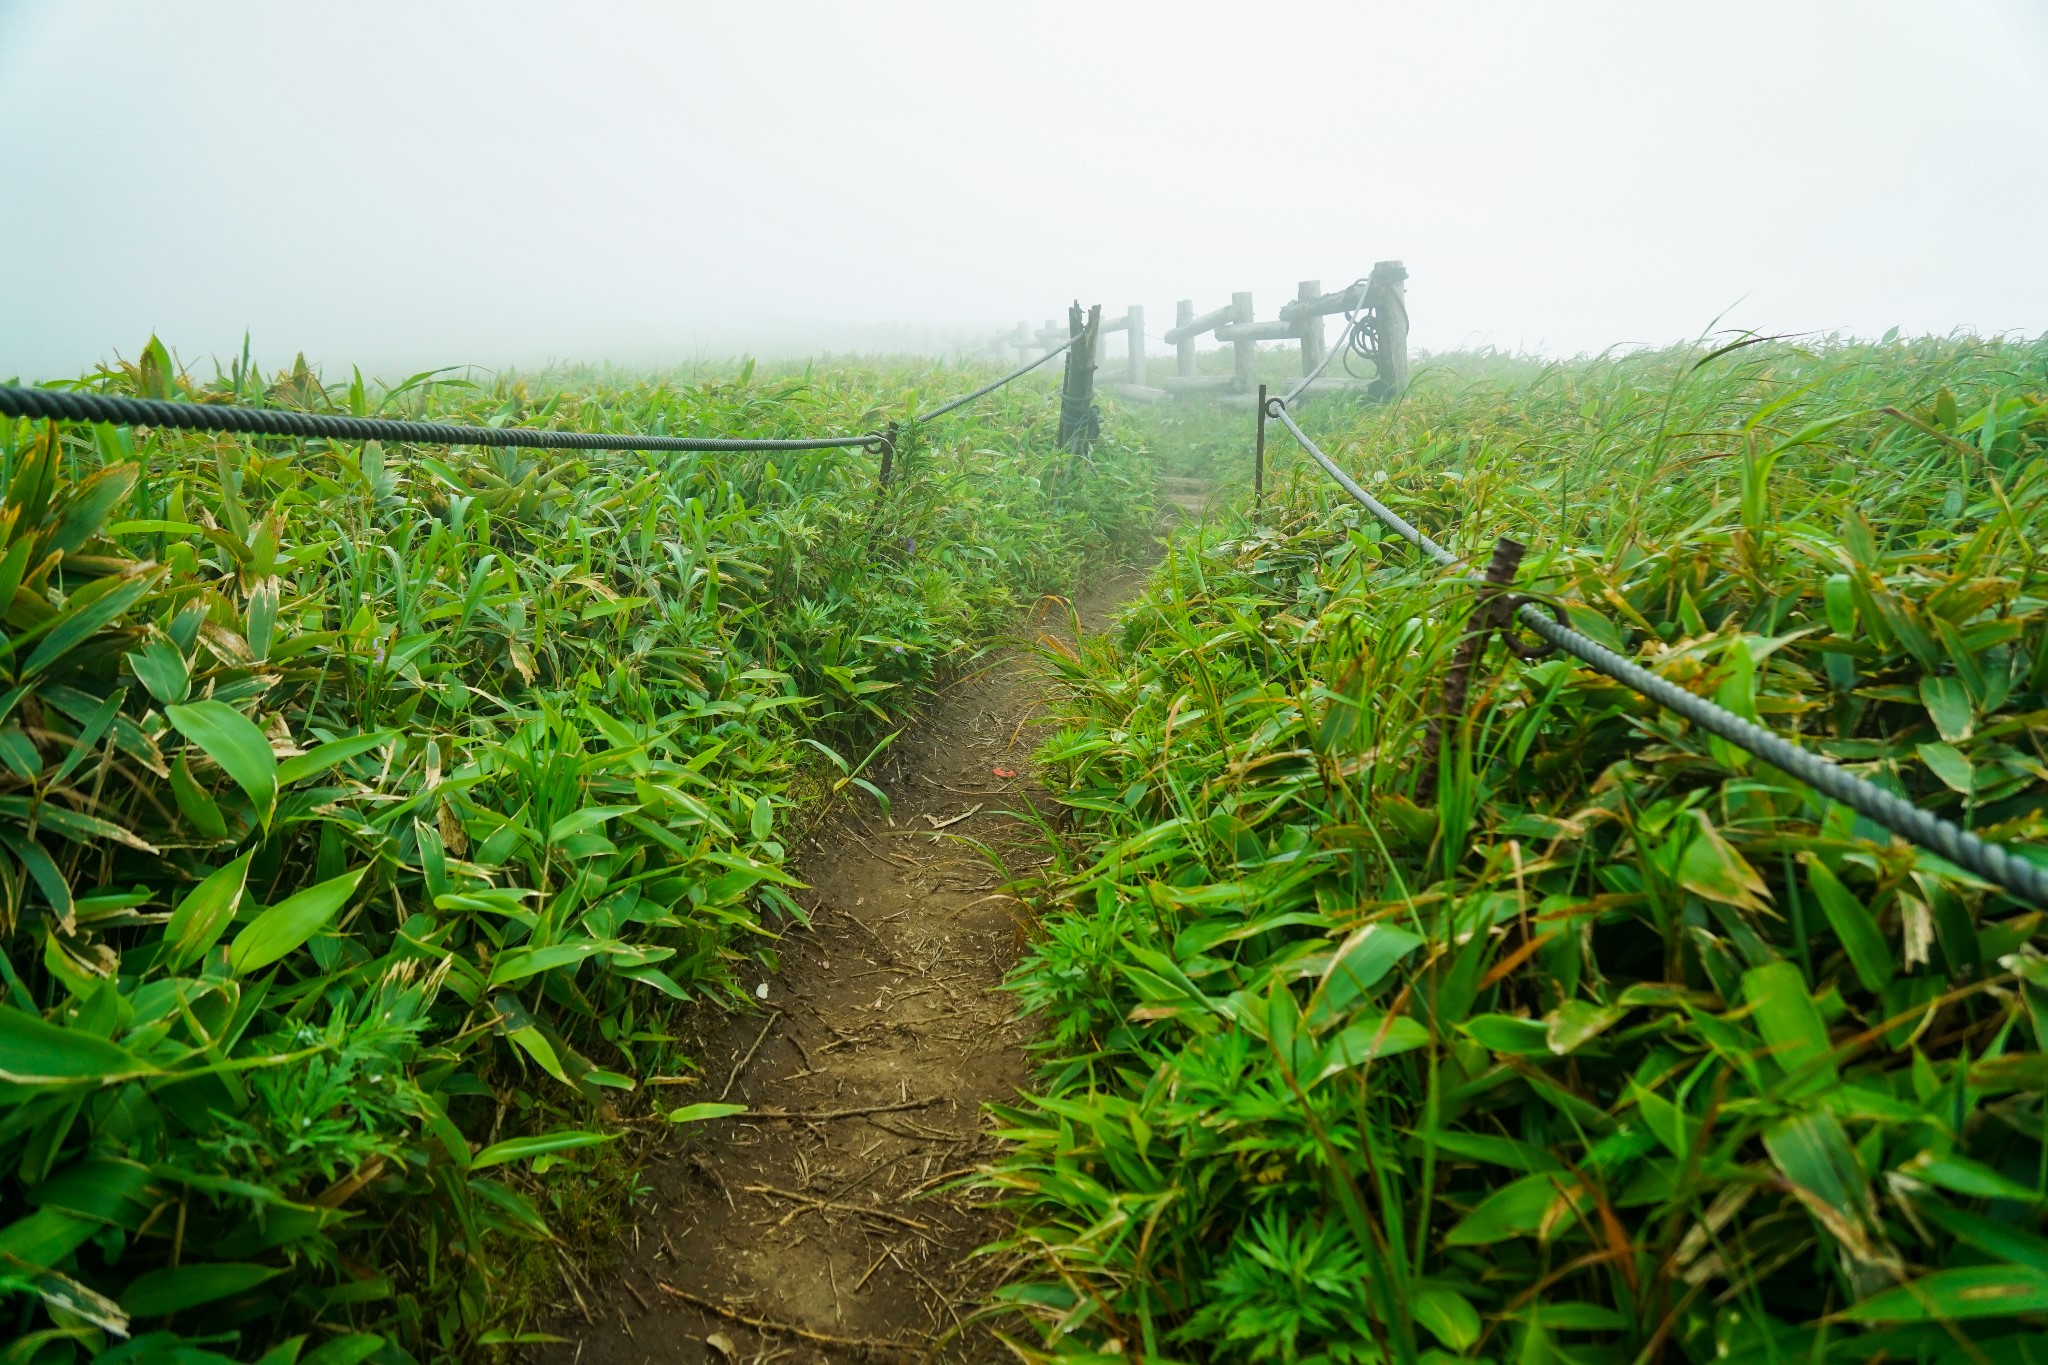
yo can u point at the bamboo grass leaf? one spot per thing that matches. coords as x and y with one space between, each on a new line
205 913
322 757
1961 1295
1785 1014
92 610
1948 703
704 1112
283 927
232 740
1861 939
173 1289
522 1149
36 1052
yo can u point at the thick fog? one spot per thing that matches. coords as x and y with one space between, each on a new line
404 184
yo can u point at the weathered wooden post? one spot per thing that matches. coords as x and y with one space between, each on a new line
1184 347
1388 296
1134 341
1312 352
1077 392
1244 356
1021 339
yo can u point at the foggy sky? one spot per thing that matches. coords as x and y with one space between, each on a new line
405 185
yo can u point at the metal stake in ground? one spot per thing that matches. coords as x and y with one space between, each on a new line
1259 453
1489 613
883 477
888 455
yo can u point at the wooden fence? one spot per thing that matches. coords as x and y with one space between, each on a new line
1380 301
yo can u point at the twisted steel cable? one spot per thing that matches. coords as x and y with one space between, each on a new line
1354 322
59 405
964 399
1392 520
1988 860
1992 862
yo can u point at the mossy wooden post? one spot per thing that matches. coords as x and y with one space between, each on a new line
1077 392
1388 296
1184 348
1134 341
1244 355
1307 292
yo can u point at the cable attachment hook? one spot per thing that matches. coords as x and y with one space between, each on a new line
884 441
1522 648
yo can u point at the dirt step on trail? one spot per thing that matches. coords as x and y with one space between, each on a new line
829 1232
1190 497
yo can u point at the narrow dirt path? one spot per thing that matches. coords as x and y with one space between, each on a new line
831 1234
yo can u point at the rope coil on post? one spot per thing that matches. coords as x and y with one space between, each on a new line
1991 862
51 404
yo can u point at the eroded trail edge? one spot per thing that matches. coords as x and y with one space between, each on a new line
821 1225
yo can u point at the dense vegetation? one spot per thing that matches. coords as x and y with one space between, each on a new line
367 812
1619 1046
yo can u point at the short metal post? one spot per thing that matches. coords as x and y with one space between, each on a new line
888 454
1259 453
1489 613
883 477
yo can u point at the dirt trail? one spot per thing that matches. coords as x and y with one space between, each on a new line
886 1037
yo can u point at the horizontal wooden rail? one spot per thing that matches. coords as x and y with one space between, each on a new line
1322 305
1258 331
1209 321
1378 303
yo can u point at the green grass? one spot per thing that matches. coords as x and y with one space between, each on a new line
1622 1047
369 812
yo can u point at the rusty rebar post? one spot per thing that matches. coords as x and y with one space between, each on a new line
888 454
1259 453
886 438
1489 613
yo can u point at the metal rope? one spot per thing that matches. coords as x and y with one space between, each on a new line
1352 321
1951 841
1275 407
101 407
1992 862
991 387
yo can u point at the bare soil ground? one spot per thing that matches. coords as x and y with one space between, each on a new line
835 1231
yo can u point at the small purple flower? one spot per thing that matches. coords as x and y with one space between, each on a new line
910 544
897 648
